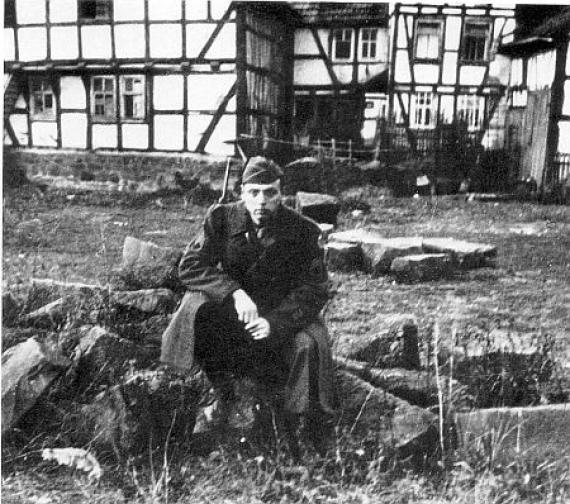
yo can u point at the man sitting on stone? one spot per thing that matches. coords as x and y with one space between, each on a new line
256 283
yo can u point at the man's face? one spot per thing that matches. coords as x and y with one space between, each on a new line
261 200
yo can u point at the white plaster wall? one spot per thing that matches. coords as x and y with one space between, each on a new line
96 41
72 93
74 131
135 136
368 131
446 108
128 10
44 134
168 132
452 32
129 41
32 43
21 103
63 11
498 29
197 35
64 43
161 10
448 74
219 8
165 41
224 130
564 138
196 9
343 73
304 42
426 74
402 41
104 136
224 45
206 91
540 70
499 68
30 11
197 124
402 67
168 92
566 102
310 72
9 45
516 72
19 124
471 75
7 140
369 70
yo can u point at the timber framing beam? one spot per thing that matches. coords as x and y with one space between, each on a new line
216 118
325 58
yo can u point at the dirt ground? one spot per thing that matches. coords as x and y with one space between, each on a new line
526 293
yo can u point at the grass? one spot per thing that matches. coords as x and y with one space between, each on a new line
524 294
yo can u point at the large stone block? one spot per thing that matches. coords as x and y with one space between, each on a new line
402 428
421 267
394 343
50 314
28 370
535 433
465 254
378 256
343 256
319 207
356 236
146 300
148 266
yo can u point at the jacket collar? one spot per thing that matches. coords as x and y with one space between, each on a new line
240 221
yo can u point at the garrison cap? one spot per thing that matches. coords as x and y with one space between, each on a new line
260 170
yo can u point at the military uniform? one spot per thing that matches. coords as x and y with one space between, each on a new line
284 274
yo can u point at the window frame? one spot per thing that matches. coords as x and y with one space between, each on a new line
479 109
46 89
425 22
96 19
368 43
432 108
477 23
123 93
334 55
9 13
97 117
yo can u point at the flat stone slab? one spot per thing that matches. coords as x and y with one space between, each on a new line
465 254
421 267
50 312
343 256
148 266
378 256
357 236
540 432
406 429
319 207
28 369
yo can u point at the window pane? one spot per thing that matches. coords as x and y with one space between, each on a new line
427 43
128 106
48 101
97 84
108 84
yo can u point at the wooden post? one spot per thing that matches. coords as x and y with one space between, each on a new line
350 150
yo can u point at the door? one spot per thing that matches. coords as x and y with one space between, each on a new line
535 126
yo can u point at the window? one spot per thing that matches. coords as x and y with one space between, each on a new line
368 39
471 111
103 98
95 10
132 97
475 39
428 40
424 110
42 100
9 13
342 44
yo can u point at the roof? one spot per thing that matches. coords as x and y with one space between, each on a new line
341 13
542 36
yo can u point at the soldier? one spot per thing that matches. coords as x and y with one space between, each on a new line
256 283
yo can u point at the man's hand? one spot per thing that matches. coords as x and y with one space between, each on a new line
258 328
246 309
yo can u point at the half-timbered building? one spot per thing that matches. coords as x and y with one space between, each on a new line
539 92
340 69
145 75
444 68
